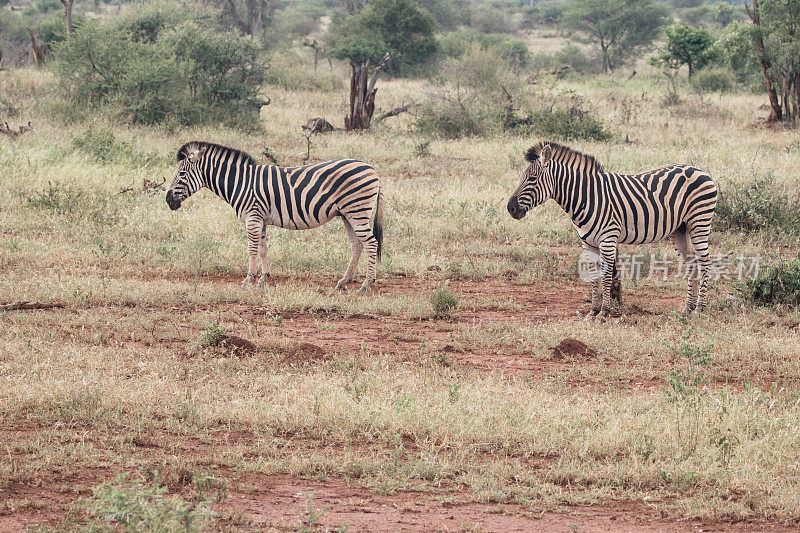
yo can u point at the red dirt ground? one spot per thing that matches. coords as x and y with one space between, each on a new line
281 502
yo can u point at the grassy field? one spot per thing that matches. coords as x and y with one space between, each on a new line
369 411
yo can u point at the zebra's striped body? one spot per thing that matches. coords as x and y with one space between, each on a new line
607 209
288 197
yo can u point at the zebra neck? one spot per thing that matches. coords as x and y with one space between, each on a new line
229 182
573 190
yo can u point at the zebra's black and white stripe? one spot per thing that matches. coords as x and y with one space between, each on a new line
289 197
607 209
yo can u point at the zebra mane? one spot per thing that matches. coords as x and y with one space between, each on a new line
187 148
565 154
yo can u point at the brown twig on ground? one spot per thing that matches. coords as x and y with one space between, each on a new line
317 125
396 111
152 186
17 306
11 132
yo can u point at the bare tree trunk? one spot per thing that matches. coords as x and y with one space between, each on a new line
255 13
776 114
68 17
362 94
36 49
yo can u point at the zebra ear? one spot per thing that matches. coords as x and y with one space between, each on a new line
195 155
546 154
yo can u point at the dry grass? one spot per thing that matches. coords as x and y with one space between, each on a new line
116 380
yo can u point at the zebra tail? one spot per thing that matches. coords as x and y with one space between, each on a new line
377 223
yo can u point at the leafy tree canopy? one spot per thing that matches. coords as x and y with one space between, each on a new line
619 28
686 46
406 31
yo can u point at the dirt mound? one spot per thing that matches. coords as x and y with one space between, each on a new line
570 347
304 353
237 345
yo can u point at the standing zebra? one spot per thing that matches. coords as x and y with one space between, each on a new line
606 208
289 197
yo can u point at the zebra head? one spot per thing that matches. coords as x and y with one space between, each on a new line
536 184
188 177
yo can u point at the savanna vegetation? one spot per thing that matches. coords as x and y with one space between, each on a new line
142 388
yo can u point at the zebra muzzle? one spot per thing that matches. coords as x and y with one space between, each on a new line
172 201
515 210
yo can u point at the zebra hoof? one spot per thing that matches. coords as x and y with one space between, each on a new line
366 287
262 280
341 286
247 282
687 311
600 319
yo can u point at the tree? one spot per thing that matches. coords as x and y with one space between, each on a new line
686 46
772 42
251 17
68 17
400 26
619 28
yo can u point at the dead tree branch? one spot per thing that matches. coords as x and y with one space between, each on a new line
396 111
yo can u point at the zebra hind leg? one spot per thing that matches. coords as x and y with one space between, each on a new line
680 240
367 239
699 238
355 250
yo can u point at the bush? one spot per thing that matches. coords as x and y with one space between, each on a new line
137 506
570 123
212 336
714 80
757 205
451 119
476 105
458 43
444 302
163 63
777 284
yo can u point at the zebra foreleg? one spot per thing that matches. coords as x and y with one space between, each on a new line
608 249
355 251
262 252
254 226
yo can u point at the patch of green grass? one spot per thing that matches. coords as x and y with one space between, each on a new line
444 302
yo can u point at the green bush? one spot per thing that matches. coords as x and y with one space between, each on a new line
444 302
212 336
570 123
451 119
459 43
777 284
756 206
138 506
714 80
161 62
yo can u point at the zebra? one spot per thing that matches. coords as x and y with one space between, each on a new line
607 209
301 197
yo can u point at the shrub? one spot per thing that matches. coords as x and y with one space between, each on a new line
569 124
460 43
212 336
576 59
444 302
162 62
757 205
138 506
777 284
715 80
451 119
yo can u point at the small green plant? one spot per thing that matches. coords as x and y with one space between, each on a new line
440 358
777 284
212 336
684 391
139 506
444 302
57 197
312 518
